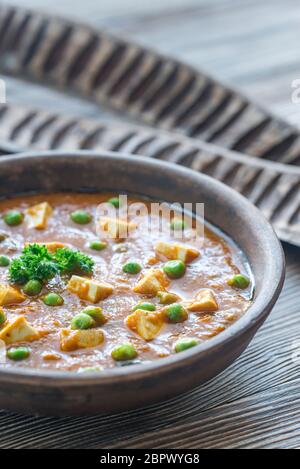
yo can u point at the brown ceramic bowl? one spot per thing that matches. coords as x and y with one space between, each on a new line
124 388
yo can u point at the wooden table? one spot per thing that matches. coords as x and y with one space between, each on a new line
254 46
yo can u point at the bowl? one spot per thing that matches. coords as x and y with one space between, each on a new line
65 393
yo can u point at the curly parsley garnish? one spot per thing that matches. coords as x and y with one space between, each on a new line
70 261
37 263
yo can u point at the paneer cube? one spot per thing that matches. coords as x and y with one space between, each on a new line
10 295
147 324
18 330
73 340
152 282
117 228
38 215
89 289
176 251
52 247
167 298
205 302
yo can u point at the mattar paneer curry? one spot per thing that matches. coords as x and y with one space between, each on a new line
74 300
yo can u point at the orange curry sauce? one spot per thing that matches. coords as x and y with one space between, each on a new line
218 260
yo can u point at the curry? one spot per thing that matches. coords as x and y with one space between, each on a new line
78 295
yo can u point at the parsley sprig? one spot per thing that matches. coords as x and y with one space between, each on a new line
37 263
71 261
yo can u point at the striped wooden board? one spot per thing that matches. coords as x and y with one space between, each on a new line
255 403
274 188
141 83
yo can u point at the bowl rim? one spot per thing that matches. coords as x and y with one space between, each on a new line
257 312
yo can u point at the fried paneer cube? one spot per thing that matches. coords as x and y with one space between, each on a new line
152 282
18 330
10 295
167 298
89 289
176 251
205 302
73 340
52 246
37 215
147 324
117 228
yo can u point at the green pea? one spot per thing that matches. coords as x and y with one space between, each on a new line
2 317
115 201
18 353
184 344
33 287
178 224
4 261
96 313
174 269
132 268
239 281
176 313
13 218
145 306
81 217
124 352
166 298
82 321
53 299
98 245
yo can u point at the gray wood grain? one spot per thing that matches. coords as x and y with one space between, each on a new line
255 403
249 44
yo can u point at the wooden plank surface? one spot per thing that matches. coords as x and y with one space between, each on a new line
252 45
